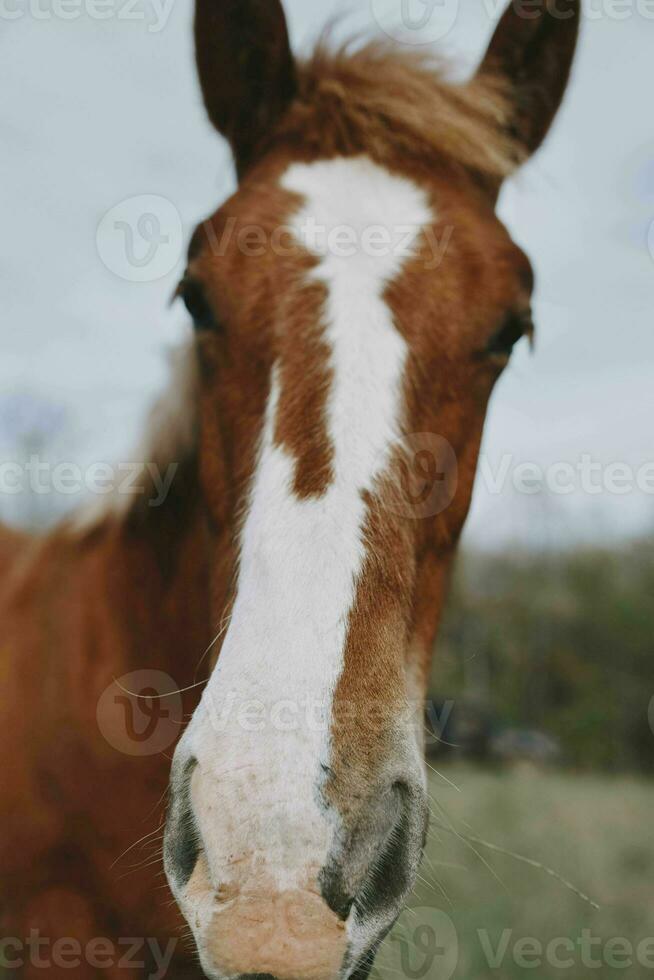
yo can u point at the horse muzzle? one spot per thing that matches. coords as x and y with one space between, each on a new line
276 882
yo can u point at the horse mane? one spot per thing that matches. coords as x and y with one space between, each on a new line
390 103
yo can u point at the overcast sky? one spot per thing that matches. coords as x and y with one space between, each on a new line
99 111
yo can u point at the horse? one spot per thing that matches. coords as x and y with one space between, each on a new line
354 304
80 610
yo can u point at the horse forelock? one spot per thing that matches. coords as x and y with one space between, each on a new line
394 104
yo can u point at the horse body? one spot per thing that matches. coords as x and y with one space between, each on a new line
79 610
355 303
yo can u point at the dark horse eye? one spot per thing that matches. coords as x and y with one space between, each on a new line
196 303
515 327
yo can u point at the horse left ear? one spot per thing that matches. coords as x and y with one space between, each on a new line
532 52
246 68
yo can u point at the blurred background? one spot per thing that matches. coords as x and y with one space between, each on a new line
540 727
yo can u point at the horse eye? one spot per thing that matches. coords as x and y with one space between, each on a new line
515 327
196 303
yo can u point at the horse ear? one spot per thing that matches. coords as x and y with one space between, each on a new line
532 52
247 72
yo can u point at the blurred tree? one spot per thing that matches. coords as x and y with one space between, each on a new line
565 642
30 427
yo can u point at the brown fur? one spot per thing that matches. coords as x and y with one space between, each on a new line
305 379
76 613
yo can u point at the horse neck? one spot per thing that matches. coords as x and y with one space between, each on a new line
157 577
132 593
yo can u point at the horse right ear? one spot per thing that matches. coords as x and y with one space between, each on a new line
531 55
246 68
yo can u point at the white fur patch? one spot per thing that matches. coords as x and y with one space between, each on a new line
256 790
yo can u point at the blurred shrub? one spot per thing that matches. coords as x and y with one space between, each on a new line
562 642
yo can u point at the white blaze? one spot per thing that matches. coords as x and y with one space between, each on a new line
262 730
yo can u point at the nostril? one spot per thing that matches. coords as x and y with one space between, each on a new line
376 870
335 893
257 976
182 839
390 876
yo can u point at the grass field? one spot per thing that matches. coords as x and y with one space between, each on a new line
478 915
